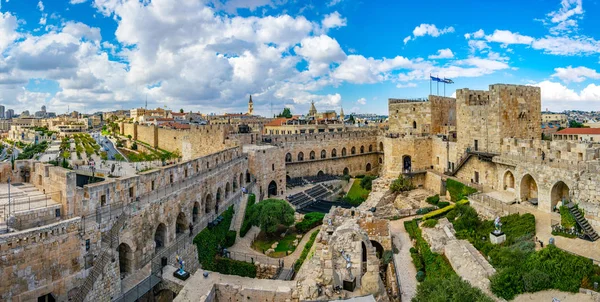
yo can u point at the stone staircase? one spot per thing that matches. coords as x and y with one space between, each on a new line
464 160
240 212
109 240
582 222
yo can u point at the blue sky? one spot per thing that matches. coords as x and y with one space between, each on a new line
208 56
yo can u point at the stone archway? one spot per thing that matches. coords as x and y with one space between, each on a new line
378 248
208 203
288 157
320 173
529 189
181 224
406 163
218 200
346 171
227 190
368 167
509 181
160 237
195 212
560 191
344 151
125 259
272 190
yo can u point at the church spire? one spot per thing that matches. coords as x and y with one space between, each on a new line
250 106
313 110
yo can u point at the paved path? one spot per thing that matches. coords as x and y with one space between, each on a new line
406 270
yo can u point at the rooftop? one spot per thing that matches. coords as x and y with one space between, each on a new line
592 131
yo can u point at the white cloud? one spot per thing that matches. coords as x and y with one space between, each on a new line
567 45
556 95
565 19
333 20
8 30
476 35
477 45
507 37
333 2
428 30
577 74
443 54
77 1
40 6
360 70
361 101
320 52
407 85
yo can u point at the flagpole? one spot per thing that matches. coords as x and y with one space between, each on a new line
438 86
430 84
444 87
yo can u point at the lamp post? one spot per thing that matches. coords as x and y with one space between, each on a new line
8 214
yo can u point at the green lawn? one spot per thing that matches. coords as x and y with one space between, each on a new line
357 191
285 244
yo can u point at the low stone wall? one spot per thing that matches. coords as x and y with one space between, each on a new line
265 271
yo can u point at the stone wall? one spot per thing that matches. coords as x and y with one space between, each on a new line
409 117
267 164
40 261
443 114
417 149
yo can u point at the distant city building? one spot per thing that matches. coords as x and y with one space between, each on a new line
25 113
578 134
1 111
555 119
10 113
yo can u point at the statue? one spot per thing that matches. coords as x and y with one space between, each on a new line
498 225
329 221
181 264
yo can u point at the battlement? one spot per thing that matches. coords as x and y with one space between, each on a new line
275 139
473 97
551 150
403 101
39 234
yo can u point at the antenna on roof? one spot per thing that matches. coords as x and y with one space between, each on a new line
146 101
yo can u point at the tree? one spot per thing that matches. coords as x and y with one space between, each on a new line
269 214
287 113
351 119
576 124
401 184
181 110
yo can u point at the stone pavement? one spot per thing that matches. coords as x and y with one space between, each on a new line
406 270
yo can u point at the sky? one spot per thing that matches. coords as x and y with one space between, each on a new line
210 55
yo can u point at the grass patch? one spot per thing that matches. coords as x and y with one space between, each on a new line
357 191
284 248
458 190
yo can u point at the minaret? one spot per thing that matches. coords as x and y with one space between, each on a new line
312 111
342 114
250 106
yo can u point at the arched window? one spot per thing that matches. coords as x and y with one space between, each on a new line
368 168
414 125
370 148
300 156
333 153
362 149
323 154
288 158
312 154
353 150
344 151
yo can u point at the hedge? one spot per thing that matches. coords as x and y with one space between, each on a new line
452 288
310 221
433 199
235 267
458 190
230 238
209 239
435 265
247 224
305 251
443 211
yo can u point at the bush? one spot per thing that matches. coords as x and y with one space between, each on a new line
420 276
269 214
208 241
310 221
234 267
535 280
386 257
134 146
443 211
443 204
305 251
247 224
367 182
429 223
452 215
507 283
457 190
423 211
401 184
230 238
452 288
567 220
433 199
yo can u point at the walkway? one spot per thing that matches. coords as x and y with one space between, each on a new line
243 249
406 270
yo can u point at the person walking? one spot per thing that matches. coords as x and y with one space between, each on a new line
191 226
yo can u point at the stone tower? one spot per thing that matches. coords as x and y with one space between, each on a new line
250 106
342 114
313 110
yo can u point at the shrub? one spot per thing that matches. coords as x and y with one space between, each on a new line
305 251
452 215
234 267
420 276
429 223
386 257
401 184
507 283
433 199
269 214
367 182
247 224
422 211
443 211
448 289
535 280
567 220
458 190
209 239
230 238
134 146
443 204
310 221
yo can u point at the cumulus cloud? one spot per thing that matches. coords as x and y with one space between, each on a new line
565 19
407 85
40 6
559 97
577 74
445 53
428 30
77 1
8 30
361 101
333 20
507 37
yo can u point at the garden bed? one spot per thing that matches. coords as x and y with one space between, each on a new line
285 246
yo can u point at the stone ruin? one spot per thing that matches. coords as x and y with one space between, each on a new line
343 263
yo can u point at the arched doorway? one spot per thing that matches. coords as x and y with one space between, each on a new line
160 237
353 150
370 148
227 190
529 189
560 192
195 211
320 173
323 154
344 151
218 201
125 259
368 168
208 203
346 171
272 191
180 224
241 179
406 163
509 181
378 248
46 298
381 146
248 176
288 157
